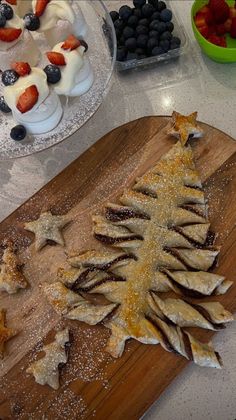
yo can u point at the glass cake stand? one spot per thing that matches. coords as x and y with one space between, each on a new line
101 40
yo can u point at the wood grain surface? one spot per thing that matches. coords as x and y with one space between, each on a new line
93 385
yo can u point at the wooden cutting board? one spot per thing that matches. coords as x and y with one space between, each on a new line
93 385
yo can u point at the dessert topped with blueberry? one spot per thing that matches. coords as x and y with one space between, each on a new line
146 30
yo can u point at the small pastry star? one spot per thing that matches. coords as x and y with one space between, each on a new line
11 277
5 333
47 227
184 126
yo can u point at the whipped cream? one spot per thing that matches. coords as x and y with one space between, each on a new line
38 78
74 62
15 22
54 11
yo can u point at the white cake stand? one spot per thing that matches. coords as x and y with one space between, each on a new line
102 53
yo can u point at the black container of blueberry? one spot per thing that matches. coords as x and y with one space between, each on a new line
147 32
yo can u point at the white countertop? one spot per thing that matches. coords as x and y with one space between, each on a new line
196 393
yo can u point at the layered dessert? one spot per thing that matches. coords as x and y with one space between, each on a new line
28 95
16 43
76 74
58 19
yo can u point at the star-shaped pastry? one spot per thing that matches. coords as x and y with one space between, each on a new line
5 333
47 227
11 277
184 126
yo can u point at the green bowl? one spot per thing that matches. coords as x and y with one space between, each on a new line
219 54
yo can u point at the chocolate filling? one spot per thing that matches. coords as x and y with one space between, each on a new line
146 192
194 187
165 339
117 215
187 345
111 241
103 281
184 291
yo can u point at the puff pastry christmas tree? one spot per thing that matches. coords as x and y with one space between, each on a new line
158 238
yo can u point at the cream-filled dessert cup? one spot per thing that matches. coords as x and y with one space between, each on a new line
77 75
45 115
22 48
59 19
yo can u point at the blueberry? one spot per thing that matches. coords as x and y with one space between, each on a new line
3 106
164 44
157 51
128 32
131 44
6 11
9 77
133 21
173 45
166 35
118 34
142 56
122 41
131 56
125 12
18 132
166 15
169 26
153 2
138 13
155 16
141 30
2 20
153 34
121 54
142 41
139 3
144 22
140 51
147 10
119 24
53 73
161 6
31 21
176 40
152 43
158 26
114 15
84 44
153 24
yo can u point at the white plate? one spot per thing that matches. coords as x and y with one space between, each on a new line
79 109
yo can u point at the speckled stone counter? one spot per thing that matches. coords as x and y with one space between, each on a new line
211 90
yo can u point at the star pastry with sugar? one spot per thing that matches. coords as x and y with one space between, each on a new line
5 333
45 370
47 227
11 277
184 126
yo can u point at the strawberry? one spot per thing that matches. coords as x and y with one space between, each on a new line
233 28
56 58
220 10
212 29
40 7
220 29
9 34
27 99
200 20
21 68
228 24
12 2
71 43
204 31
207 14
217 40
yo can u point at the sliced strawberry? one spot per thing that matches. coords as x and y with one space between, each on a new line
212 29
12 2
204 9
200 20
209 17
71 43
204 31
233 28
40 7
217 40
220 29
9 34
232 12
21 68
27 99
56 58
220 10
